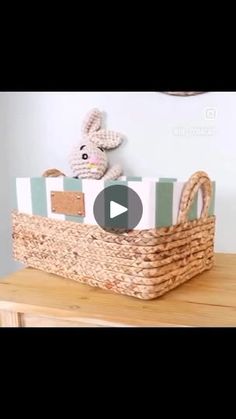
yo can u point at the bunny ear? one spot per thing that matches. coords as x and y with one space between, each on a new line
106 139
92 122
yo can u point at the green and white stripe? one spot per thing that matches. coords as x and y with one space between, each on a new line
177 191
91 189
123 200
212 204
160 198
23 194
146 191
38 189
164 204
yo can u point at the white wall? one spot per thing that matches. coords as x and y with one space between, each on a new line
6 263
166 136
3 208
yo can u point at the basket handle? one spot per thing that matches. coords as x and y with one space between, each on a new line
53 173
199 180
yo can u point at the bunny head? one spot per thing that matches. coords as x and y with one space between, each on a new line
89 159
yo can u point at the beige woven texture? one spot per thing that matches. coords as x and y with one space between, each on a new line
141 263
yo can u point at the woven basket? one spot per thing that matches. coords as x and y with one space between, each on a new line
140 263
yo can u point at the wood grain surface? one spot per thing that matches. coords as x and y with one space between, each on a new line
34 298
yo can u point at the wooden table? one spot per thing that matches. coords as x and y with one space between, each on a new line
31 298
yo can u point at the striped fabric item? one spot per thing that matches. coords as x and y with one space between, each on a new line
160 198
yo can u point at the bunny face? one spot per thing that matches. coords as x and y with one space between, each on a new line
88 161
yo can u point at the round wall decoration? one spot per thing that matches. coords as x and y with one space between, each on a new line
183 93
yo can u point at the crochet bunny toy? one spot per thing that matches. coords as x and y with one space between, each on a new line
89 159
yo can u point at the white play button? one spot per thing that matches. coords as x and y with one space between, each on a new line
116 209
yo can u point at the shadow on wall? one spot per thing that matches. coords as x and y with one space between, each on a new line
7 264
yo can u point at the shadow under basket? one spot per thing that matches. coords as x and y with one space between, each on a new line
141 263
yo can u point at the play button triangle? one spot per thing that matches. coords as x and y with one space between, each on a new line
116 209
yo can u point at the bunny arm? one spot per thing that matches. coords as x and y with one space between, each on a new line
113 173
